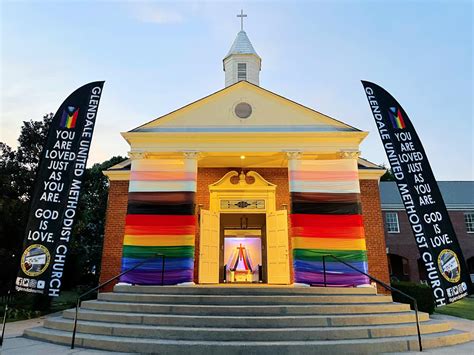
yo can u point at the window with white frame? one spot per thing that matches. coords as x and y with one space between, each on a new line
391 221
469 220
241 71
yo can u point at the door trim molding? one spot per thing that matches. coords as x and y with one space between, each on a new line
249 186
242 186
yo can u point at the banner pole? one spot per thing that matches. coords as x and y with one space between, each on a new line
4 323
56 192
421 196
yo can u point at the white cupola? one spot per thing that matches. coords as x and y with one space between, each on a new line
242 61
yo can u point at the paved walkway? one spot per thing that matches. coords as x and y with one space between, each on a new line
21 345
14 343
456 323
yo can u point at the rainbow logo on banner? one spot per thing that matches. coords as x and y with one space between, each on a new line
69 117
396 118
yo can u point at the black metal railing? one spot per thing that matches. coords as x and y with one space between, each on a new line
6 298
383 284
97 288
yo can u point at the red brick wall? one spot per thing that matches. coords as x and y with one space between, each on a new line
374 231
405 247
403 243
208 176
117 209
114 231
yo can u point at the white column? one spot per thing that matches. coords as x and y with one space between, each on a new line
293 156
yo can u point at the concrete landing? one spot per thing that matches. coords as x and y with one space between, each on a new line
15 344
21 345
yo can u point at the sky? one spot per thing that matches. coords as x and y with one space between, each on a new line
158 56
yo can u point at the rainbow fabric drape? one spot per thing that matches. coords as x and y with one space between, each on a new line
326 219
160 219
240 255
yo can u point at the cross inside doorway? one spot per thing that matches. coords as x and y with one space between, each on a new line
242 15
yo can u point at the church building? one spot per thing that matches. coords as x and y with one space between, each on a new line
244 186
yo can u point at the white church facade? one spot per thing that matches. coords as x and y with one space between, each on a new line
244 186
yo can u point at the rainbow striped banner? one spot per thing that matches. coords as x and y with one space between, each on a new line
326 220
160 220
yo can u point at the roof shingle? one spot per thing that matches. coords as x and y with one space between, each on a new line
242 45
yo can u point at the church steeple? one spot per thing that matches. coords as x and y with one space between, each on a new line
242 61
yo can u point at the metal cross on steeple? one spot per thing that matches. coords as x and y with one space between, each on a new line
241 19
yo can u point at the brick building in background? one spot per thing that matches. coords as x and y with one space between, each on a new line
402 252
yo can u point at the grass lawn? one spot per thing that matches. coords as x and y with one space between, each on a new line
463 308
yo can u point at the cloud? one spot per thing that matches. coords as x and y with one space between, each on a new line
152 14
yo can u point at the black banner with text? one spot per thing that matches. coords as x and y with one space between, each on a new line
56 192
437 243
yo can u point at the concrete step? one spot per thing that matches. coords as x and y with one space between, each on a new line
245 290
246 334
154 346
241 299
245 310
246 321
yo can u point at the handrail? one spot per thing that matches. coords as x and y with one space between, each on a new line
4 322
79 299
386 286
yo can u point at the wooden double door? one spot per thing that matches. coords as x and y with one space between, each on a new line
274 255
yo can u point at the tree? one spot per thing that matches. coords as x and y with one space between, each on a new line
388 176
17 176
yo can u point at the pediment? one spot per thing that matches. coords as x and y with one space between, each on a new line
270 113
238 181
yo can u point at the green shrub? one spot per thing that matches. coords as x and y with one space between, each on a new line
16 314
41 303
422 293
24 306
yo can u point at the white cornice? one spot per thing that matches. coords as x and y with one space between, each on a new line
353 154
113 175
371 174
249 142
363 175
